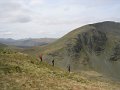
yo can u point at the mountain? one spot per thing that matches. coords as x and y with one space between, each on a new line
8 40
90 47
27 42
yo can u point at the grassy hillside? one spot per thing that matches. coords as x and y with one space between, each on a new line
2 45
19 71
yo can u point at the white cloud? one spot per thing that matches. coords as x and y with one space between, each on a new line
6 33
36 2
13 10
22 19
52 18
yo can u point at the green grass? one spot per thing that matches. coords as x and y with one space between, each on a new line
20 71
2 45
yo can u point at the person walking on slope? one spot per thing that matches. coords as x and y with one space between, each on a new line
53 62
68 68
40 56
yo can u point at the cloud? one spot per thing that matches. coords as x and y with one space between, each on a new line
13 10
36 2
23 19
8 33
52 18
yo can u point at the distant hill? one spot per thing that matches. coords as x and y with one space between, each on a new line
27 42
2 45
91 47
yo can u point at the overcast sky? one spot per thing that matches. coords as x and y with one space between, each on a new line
52 18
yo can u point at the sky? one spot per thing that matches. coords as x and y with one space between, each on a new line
52 18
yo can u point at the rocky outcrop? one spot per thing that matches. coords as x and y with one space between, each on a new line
116 53
93 40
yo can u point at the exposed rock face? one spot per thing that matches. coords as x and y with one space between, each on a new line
94 46
94 40
116 53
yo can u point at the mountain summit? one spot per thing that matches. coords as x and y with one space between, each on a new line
90 47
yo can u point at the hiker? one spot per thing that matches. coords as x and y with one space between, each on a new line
53 62
69 68
40 56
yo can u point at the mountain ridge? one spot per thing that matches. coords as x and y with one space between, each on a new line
90 47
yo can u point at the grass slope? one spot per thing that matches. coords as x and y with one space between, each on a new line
2 45
19 71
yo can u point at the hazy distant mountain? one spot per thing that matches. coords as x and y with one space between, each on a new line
27 42
8 40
